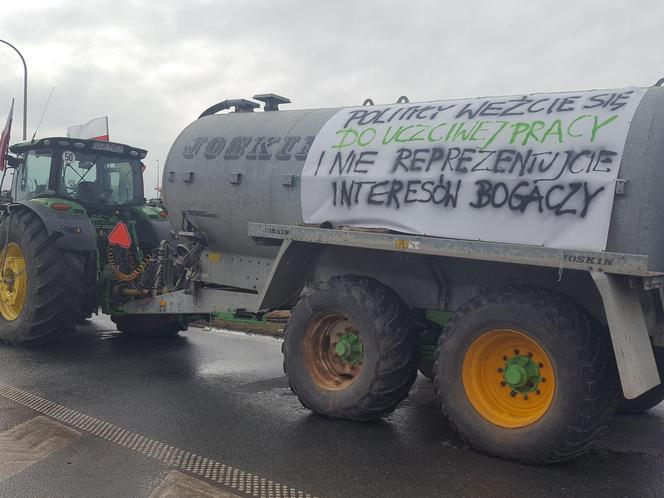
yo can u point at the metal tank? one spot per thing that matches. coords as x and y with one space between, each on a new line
226 170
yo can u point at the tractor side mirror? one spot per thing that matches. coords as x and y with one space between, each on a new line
12 161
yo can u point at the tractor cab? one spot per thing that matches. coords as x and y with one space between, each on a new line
97 175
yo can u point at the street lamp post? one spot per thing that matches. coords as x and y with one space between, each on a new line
25 89
158 179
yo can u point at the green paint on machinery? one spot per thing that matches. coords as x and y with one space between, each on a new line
521 374
350 348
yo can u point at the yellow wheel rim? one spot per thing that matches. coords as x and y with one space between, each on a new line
13 283
508 378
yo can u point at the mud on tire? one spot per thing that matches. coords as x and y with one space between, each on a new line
586 380
388 367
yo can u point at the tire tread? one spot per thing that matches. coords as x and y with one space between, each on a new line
60 281
396 368
600 378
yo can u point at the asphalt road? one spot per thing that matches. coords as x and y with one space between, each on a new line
209 413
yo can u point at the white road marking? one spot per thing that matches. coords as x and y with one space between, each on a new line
179 485
30 442
247 483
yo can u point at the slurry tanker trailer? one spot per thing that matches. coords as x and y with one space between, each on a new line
510 248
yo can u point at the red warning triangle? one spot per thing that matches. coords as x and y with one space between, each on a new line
119 236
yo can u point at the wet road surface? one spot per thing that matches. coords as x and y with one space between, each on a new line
209 413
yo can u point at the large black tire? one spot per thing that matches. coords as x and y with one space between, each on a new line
651 398
584 393
388 364
149 325
55 283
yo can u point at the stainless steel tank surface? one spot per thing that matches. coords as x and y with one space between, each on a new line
226 170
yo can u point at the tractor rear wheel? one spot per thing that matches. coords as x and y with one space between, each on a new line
522 374
41 286
350 349
149 325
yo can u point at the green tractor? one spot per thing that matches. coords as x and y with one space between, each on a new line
77 237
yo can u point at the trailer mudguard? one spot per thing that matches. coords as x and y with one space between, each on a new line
72 229
289 273
629 334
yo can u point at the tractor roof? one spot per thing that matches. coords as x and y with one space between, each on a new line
80 144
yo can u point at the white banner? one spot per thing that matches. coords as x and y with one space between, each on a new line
531 169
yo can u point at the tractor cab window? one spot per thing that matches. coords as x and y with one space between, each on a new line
79 179
121 179
99 179
34 179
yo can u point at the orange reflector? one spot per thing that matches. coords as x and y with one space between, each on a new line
119 236
59 206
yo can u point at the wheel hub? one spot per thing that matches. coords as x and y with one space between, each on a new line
13 282
508 378
521 374
349 348
333 350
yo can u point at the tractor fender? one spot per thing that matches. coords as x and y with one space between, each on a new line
71 229
151 226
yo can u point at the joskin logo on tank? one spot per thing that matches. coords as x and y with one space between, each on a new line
530 169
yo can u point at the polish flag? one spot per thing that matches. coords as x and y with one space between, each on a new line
4 138
95 129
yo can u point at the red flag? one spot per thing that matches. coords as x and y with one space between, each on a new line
4 138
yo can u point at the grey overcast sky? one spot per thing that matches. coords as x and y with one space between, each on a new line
153 66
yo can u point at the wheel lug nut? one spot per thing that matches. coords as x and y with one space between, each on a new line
525 396
505 358
516 351
513 394
500 370
541 365
530 355
537 392
543 379
503 383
